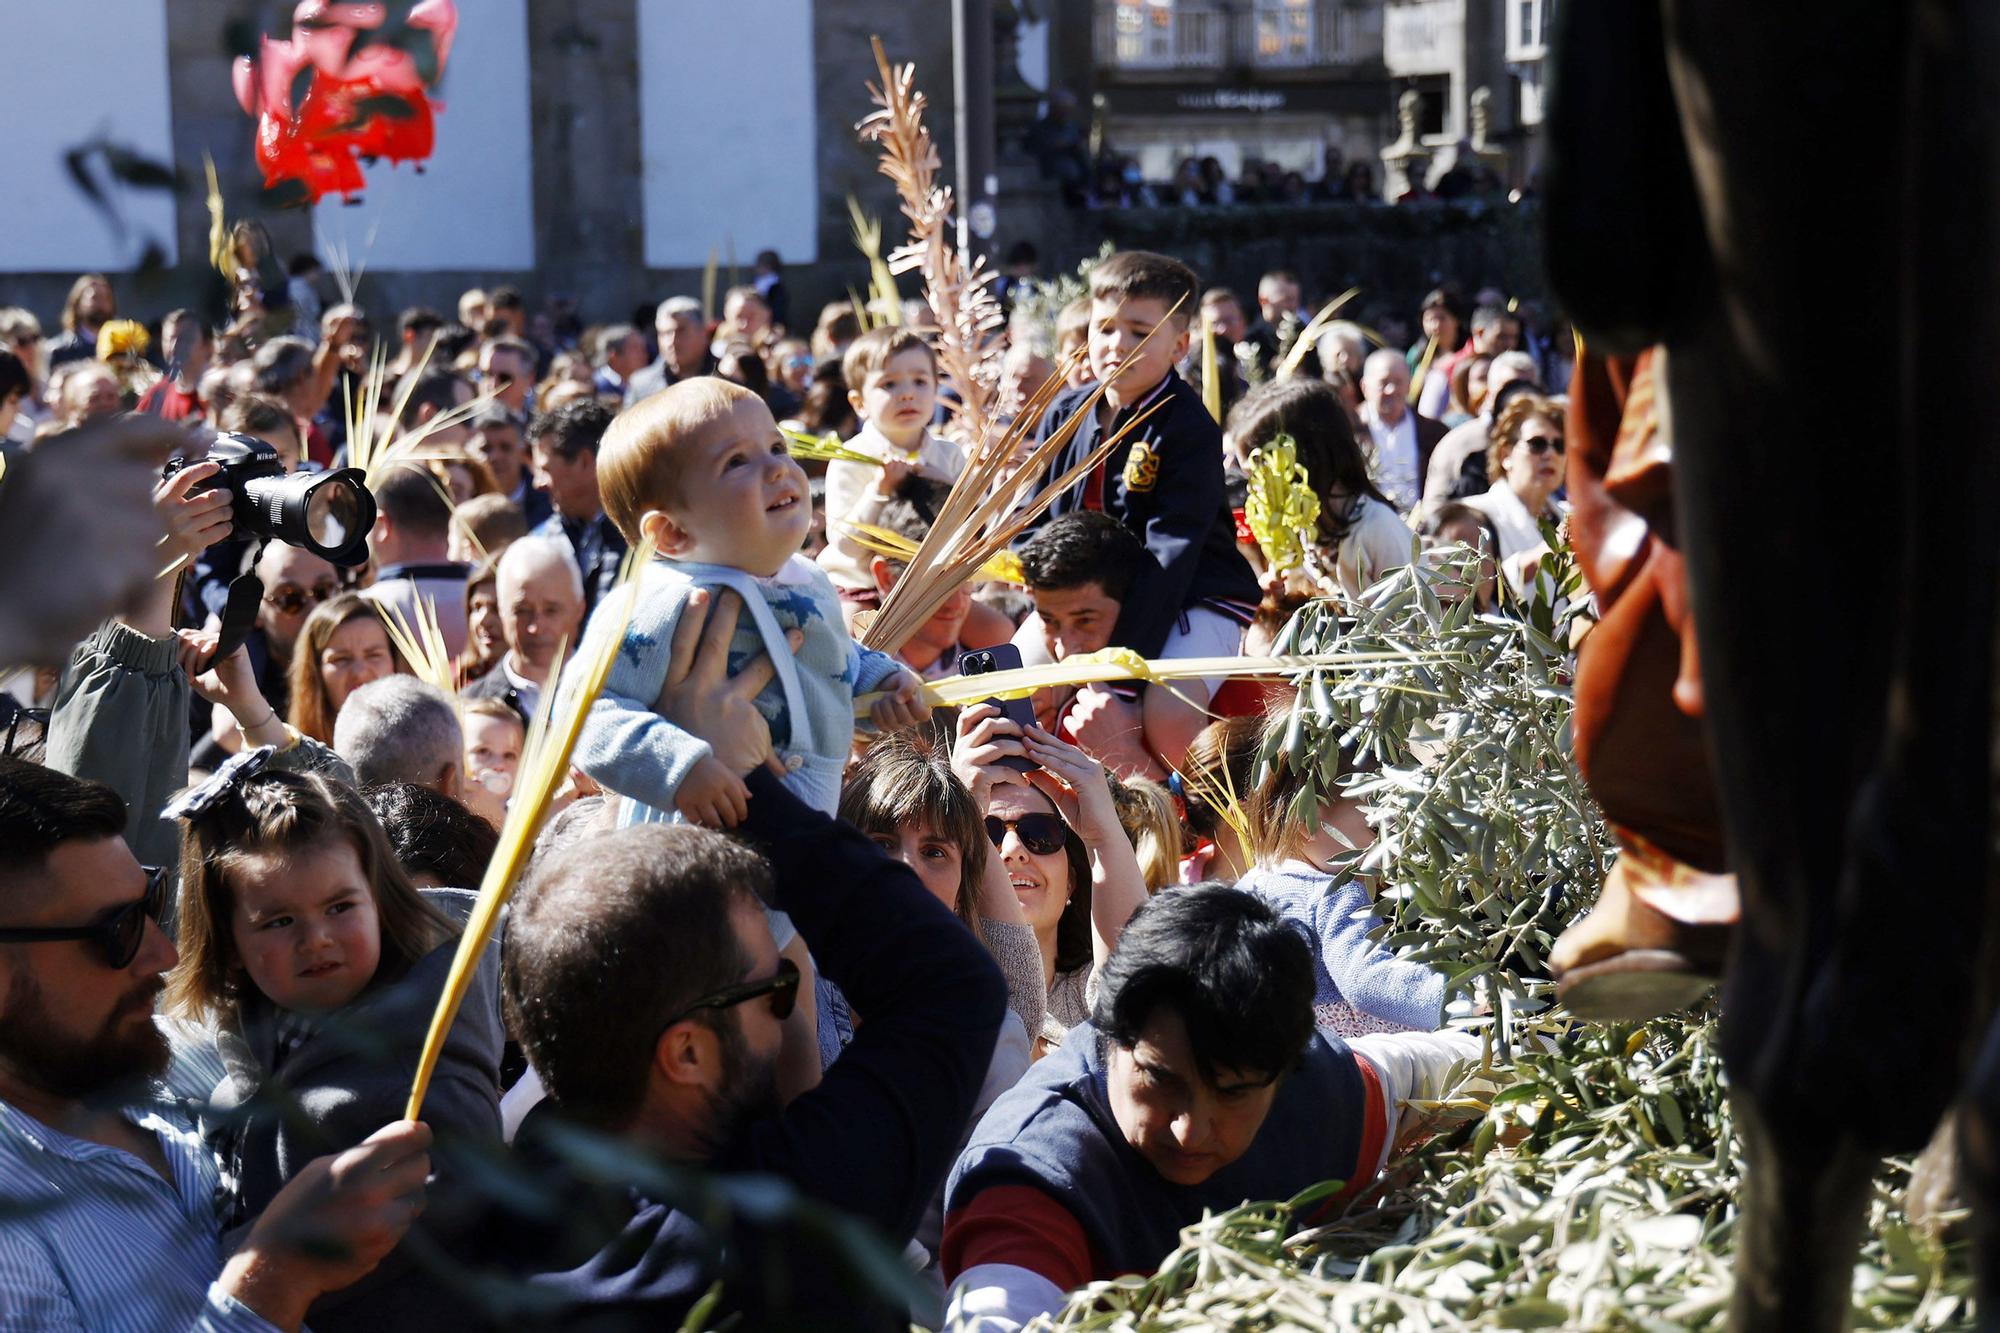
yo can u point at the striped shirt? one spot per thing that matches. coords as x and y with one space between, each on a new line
95 1239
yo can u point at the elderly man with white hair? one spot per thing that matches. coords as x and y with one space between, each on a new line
684 352
540 589
1466 443
400 729
1400 442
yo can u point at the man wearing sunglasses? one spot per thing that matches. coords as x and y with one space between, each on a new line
1200 1083
295 582
670 1039
108 1187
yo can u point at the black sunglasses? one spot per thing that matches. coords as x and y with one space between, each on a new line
38 716
289 599
117 936
1041 834
1541 444
782 988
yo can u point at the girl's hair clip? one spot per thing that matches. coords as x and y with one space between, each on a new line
195 802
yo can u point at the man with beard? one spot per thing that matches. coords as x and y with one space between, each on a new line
108 1188
642 980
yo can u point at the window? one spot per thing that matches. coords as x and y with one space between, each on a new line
1528 28
1143 32
1284 32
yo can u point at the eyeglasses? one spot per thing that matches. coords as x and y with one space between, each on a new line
117 936
1041 834
1541 444
289 599
783 989
38 716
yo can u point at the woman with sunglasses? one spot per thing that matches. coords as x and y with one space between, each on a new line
1525 460
1066 855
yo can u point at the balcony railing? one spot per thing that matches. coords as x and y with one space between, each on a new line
1217 34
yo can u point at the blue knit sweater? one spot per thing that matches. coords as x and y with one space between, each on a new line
1347 965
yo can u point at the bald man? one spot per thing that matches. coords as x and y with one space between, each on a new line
1399 441
540 589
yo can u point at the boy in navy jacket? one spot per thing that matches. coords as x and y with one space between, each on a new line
1164 484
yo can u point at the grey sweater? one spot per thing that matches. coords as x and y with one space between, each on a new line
1347 964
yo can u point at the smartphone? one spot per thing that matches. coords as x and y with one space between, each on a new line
1006 657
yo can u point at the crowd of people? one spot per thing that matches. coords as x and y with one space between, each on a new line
1020 991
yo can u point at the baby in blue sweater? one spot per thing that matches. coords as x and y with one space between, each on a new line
702 471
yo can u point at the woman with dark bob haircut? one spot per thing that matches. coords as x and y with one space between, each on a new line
1360 536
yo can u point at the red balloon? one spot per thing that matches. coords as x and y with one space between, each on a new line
366 104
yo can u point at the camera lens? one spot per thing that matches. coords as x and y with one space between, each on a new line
333 515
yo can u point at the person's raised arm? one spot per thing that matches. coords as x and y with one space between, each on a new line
83 534
1075 782
878 1134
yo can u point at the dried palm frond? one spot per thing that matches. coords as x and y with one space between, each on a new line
1304 342
1423 370
340 262
218 225
708 286
544 766
422 644
1004 566
988 507
960 294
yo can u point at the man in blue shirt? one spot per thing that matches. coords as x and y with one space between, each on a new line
109 1190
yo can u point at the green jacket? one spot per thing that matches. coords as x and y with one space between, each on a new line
121 718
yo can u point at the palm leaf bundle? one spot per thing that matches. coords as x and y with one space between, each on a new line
1280 505
1005 566
544 765
421 644
960 294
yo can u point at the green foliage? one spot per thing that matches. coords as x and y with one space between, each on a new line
1488 843
1043 299
1587 1177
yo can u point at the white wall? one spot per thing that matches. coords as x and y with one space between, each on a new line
473 207
71 78
727 129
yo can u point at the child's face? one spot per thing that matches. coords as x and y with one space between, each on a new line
899 398
305 926
744 500
1067 346
492 745
1116 328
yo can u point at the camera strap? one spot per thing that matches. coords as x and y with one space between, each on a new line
239 615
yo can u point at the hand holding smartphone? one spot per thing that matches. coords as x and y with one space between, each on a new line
1005 657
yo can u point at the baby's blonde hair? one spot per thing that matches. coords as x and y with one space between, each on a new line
639 460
